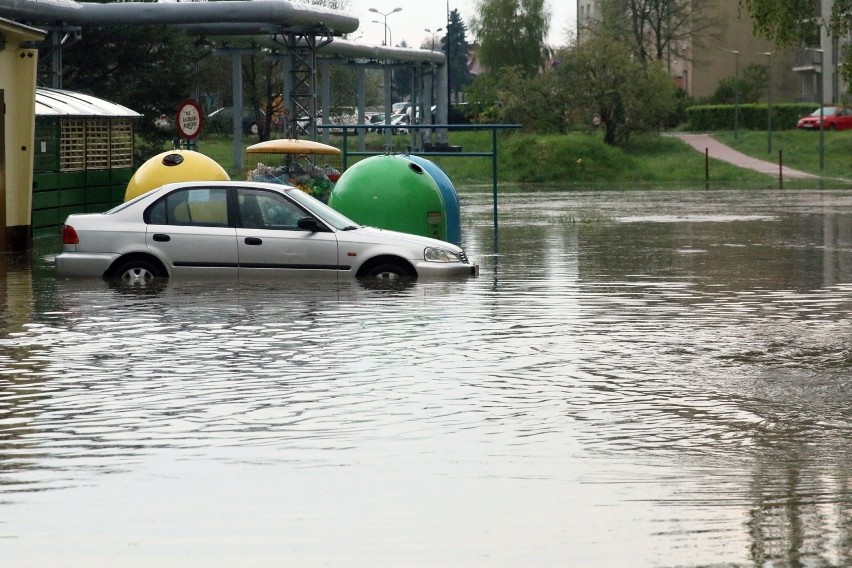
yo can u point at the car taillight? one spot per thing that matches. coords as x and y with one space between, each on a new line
69 235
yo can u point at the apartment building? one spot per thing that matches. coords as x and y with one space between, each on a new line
698 67
818 64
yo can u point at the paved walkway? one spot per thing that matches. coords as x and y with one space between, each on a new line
719 151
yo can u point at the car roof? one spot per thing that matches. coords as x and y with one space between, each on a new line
225 183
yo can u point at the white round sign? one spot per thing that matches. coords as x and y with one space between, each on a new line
189 119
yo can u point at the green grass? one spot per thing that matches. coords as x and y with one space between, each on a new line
799 149
582 161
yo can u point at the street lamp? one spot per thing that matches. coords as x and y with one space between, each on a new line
387 32
769 105
736 92
385 16
428 31
449 64
821 107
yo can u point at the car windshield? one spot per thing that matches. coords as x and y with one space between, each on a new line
826 111
337 220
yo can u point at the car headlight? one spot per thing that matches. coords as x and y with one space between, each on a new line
434 254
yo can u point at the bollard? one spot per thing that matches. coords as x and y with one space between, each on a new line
706 168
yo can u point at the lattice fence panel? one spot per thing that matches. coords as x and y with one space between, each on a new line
72 145
122 144
97 144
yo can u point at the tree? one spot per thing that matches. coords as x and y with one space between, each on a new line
512 33
263 79
459 74
611 87
658 29
788 23
261 84
750 87
507 95
146 68
795 23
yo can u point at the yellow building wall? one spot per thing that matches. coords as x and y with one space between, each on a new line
18 66
714 61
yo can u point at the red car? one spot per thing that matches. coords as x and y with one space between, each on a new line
834 118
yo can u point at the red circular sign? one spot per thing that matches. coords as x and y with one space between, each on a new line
189 119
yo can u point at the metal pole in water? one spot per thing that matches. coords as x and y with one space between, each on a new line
706 168
494 175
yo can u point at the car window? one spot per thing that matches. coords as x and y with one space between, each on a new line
196 206
322 211
268 210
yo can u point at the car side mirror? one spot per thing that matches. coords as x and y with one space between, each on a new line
310 224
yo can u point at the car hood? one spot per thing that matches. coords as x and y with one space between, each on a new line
379 236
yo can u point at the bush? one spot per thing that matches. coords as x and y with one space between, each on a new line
559 158
752 116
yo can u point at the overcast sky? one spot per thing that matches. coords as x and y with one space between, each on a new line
409 24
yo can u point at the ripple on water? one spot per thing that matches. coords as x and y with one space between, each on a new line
640 362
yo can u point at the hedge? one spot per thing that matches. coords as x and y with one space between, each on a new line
751 116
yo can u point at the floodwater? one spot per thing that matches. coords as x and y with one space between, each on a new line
635 379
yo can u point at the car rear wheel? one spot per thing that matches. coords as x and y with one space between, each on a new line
138 272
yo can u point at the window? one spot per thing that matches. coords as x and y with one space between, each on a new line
267 210
197 206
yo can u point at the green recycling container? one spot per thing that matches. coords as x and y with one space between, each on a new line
391 192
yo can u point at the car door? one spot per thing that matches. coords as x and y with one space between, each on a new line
270 242
844 119
190 230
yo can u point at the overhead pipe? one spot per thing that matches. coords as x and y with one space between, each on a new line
273 12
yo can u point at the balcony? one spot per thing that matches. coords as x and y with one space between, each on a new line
807 60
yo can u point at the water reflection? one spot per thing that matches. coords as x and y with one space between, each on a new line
668 367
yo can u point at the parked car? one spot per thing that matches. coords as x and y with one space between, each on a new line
336 118
346 117
233 229
376 119
400 120
400 108
222 120
834 118
397 120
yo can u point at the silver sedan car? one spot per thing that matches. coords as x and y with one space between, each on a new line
242 229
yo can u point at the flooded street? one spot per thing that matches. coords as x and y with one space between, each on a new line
635 379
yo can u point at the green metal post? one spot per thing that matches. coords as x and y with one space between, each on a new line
494 175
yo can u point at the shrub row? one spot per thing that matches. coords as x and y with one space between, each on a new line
751 116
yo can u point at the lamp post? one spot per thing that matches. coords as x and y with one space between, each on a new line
385 16
428 31
736 93
769 105
821 108
387 32
449 65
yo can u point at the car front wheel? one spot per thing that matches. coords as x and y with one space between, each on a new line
388 271
138 272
